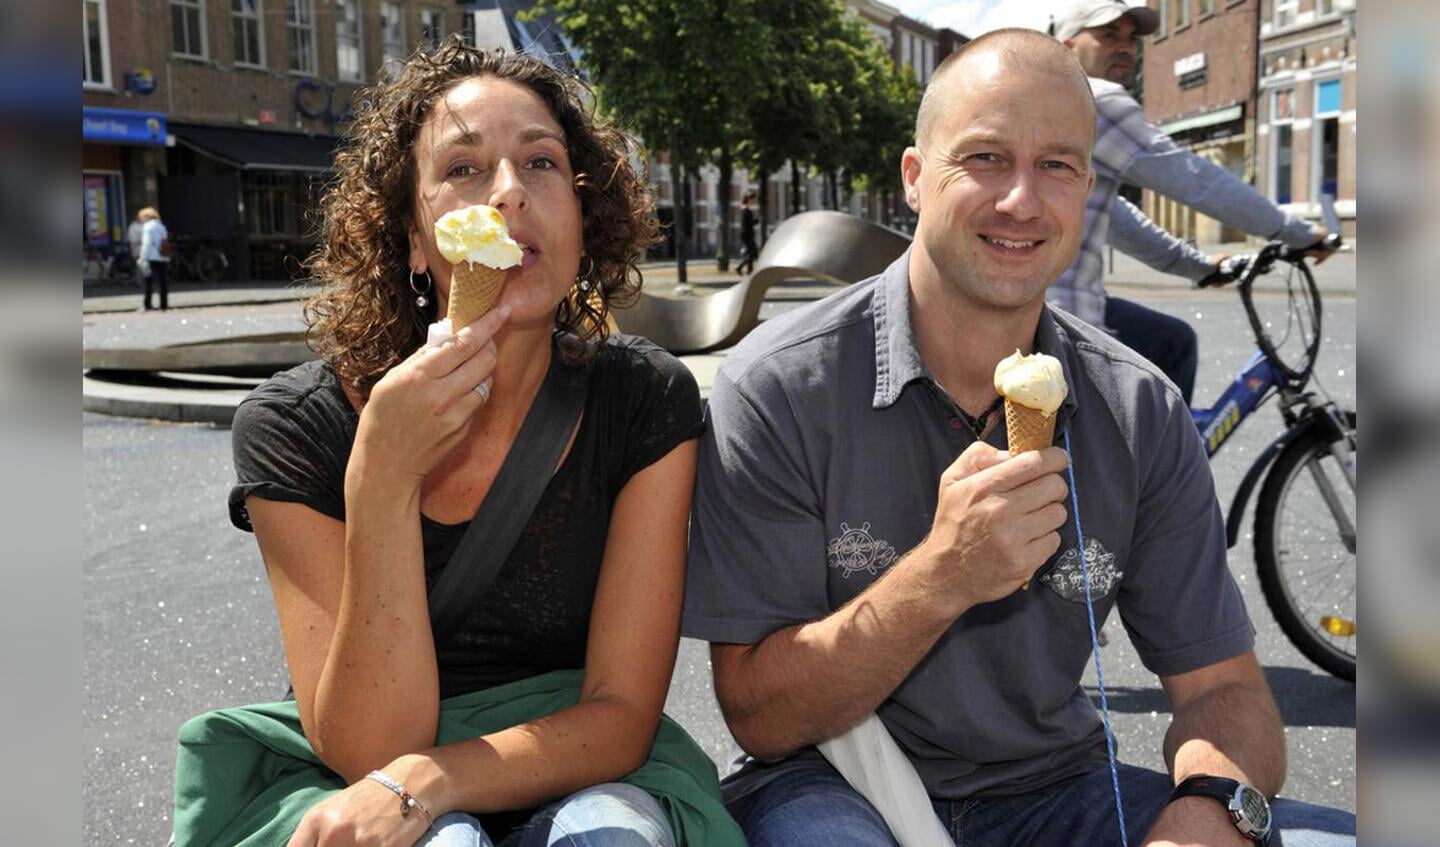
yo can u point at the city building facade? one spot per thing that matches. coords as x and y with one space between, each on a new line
1199 87
1307 106
225 114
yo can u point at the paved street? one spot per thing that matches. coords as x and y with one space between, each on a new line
178 617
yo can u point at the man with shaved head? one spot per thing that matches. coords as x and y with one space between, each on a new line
864 552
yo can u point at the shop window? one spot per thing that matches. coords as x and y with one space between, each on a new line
95 32
1326 178
392 32
349 54
468 32
432 28
187 28
300 35
245 18
273 203
1282 143
104 205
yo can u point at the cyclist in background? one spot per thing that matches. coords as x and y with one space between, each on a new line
1128 147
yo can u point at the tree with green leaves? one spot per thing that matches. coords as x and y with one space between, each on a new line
888 99
655 66
787 120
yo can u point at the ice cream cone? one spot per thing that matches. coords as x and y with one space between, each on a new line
1027 428
474 290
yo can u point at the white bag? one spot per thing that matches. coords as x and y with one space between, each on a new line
874 765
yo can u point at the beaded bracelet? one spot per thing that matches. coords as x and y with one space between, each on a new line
407 800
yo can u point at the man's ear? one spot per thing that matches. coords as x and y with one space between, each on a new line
910 164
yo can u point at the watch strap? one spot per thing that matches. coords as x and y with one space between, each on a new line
1223 790
1201 785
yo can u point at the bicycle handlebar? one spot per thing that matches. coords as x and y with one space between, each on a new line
1235 267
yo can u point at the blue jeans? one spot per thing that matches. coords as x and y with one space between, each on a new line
812 804
611 815
1169 343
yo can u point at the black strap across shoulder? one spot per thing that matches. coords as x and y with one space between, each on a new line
511 500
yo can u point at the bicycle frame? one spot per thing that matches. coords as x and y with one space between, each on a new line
1251 388
1256 383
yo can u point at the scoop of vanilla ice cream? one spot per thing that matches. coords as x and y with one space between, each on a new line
1036 381
476 234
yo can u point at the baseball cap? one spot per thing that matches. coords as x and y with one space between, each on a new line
1078 15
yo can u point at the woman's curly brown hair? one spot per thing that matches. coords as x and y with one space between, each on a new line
365 319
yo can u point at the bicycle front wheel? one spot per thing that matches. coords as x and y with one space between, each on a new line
1305 549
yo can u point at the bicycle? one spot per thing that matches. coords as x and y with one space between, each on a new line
192 260
1305 516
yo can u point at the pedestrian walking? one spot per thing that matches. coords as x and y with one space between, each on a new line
747 233
154 256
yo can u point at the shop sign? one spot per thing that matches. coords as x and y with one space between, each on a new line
316 100
140 81
122 126
1191 70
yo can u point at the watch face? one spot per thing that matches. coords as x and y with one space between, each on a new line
1254 808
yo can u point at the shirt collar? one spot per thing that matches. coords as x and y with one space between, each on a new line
897 354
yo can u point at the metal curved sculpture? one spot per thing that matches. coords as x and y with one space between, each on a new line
830 246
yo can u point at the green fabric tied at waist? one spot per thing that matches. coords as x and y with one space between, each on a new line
246 775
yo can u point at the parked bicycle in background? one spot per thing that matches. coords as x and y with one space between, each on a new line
198 261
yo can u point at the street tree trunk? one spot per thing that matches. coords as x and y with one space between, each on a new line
679 192
727 173
764 208
794 187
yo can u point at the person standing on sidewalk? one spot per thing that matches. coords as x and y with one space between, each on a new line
134 239
1129 148
154 257
747 233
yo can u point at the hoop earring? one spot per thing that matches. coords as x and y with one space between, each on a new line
582 280
422 296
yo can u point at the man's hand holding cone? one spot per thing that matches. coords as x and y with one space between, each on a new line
1033 387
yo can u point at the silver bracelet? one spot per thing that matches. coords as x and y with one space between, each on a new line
407 800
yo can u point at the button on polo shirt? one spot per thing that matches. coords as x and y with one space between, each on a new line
819 471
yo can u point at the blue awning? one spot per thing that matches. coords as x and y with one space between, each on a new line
122 126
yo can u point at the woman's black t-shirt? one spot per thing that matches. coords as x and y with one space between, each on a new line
292 441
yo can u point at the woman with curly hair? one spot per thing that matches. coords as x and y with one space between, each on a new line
360 471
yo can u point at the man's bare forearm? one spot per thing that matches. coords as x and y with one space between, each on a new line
811 682
1234 731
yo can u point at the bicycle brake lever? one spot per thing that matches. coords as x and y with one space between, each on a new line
1228 270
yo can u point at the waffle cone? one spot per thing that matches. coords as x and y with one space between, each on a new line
1027 428
474 290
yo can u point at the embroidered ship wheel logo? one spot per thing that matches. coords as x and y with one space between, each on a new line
857 550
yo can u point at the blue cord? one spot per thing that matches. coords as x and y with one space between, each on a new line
1095 644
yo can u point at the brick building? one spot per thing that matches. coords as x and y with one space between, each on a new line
224 113
1200 80
1307 105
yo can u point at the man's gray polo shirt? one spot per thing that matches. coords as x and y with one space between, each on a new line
820 468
